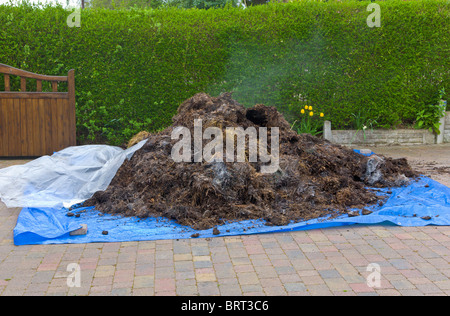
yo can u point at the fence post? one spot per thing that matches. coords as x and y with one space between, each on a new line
72 111
440 137
327 131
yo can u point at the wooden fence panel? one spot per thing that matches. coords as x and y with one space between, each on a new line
36 123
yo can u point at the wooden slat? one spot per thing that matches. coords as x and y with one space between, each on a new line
23 84
61 123
54 86
55 130
2 129
9 122
48 128
7 83
14 129
4 105
23 126
30 140
33 122
40 127
34 95
18 119
39 85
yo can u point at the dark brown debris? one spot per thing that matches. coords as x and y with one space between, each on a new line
315 178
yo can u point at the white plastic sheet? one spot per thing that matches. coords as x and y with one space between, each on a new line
69 176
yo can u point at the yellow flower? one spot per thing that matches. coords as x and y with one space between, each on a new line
322 115
302 111
310 108
311 113
306 107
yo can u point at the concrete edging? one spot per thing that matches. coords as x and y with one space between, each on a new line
447 128
404 137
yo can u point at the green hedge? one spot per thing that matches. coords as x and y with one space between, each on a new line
134 67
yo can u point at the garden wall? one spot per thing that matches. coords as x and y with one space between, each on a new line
380 137
404 137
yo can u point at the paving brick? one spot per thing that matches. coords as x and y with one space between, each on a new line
205 277
361 288
294 287
244 268
246 278
164 285
319 290
250 288
182 256
102 281
401 264
208 288
410 292
429 288
261 262
337 284
332 261
143 269
443 285
147 291
290 278
266 272
402 284
164 272
104 290
143 282
388 292
285 270
188 290
270 282
275 291
104 271
121 292
203 264
329 274
224 270
312 280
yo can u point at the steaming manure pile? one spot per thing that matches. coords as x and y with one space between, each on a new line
313 178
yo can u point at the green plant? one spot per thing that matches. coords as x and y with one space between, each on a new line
442 101
308 122
362 122
429 117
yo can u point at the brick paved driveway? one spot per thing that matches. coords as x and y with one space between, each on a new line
338 261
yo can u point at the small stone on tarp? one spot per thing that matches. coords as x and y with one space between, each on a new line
80 231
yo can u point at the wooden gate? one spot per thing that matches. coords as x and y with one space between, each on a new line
36 123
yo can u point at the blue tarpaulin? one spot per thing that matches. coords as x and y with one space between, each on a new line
45 186
405 207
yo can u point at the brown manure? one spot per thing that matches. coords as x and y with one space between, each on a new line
315 178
